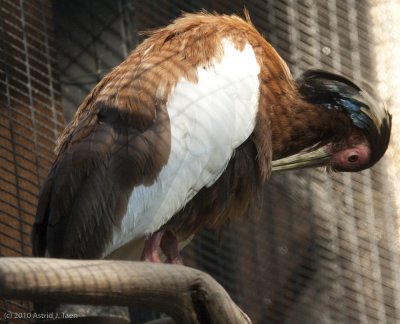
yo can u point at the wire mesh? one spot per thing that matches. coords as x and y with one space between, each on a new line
326 247
30 119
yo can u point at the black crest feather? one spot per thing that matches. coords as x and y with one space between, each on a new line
366 111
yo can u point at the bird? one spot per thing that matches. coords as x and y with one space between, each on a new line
185 132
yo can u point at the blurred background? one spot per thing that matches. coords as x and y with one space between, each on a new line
325 248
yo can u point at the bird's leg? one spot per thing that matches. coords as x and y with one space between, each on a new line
150 248
168 243
169 246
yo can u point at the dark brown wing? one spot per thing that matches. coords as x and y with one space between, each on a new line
87 190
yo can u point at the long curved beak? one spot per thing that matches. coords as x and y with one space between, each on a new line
315 158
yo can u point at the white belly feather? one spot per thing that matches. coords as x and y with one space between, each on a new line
209 119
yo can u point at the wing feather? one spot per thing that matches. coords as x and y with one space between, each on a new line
88 188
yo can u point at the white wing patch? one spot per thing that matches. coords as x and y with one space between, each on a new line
209 119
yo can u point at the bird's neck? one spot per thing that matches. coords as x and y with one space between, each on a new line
297 125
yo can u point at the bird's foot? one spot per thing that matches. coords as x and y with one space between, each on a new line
169 246
150 248
168 243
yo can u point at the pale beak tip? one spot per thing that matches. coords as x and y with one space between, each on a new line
315 158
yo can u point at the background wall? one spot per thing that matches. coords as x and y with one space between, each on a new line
325 248
30 119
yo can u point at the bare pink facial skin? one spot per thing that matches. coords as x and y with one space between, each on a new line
352 155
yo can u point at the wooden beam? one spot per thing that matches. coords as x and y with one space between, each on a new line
186 294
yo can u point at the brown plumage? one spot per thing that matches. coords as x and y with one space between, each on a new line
121 141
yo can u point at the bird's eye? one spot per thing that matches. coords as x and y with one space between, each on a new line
352 158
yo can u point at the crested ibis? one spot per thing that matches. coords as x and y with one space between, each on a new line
185 132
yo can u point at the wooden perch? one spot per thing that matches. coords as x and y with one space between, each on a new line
187 295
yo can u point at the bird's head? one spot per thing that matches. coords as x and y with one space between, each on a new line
358 149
